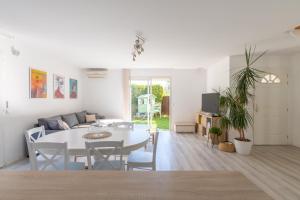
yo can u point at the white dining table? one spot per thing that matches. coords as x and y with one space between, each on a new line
133 138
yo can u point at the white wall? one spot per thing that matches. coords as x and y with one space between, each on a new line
105 95
218 76
294 99
23 112
187 87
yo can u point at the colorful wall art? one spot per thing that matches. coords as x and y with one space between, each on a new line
58 86
38 84
73 88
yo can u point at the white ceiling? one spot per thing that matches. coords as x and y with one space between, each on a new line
180 34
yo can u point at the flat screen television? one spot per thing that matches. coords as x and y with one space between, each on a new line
210 103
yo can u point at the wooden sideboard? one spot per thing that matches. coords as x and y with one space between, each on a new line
206 120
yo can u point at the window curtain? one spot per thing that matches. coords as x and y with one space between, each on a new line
126 94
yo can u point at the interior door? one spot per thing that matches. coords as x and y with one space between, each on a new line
271 108
2 109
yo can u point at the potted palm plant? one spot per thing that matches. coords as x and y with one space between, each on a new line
234 101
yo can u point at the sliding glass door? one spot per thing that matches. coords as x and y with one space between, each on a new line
150 102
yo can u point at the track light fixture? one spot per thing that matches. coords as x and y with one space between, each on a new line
138 47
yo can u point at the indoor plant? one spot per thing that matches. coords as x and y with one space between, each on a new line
234 101
215 133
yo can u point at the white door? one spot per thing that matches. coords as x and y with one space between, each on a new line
271 108
2 108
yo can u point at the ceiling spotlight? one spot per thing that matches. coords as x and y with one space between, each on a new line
138 46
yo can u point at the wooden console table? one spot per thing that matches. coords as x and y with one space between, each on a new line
206 120
91 185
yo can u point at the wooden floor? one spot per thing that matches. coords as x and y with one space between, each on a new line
274 169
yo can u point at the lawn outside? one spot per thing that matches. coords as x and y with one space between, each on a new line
157 122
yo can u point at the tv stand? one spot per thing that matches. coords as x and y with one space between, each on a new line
205 121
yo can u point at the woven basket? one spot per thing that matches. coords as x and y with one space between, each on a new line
227 147
97 135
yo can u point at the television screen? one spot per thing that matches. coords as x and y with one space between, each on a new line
210 102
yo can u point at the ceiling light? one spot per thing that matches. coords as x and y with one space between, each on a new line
138 47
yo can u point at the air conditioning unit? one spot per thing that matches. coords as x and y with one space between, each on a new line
96 72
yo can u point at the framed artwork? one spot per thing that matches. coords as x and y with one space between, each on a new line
73 85
38 83
58 86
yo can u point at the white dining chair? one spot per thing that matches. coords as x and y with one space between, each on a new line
102 152
35 133
32 135
126 125
142 159
52 156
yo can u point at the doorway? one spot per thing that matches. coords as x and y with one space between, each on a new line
150 102
271 108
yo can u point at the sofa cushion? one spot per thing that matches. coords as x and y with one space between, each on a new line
44 121
63 125
97 116
70 119
53 124
81 117
90 118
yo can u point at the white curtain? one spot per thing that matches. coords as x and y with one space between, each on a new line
126 94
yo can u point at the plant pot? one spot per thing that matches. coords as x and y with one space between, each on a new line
243 147
214 138
226 146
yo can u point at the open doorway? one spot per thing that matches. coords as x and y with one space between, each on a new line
150 102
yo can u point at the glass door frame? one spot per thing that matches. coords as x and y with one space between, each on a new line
149 80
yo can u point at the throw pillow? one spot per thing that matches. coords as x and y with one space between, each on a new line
70 119
81 117
63 125
90 118
53 124
97 116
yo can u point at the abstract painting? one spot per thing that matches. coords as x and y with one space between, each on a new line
73 88
38 84
58 86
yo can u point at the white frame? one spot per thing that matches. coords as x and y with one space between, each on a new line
30 68
53 77
69 92
150 78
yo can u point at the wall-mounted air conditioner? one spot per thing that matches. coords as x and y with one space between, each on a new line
96 72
